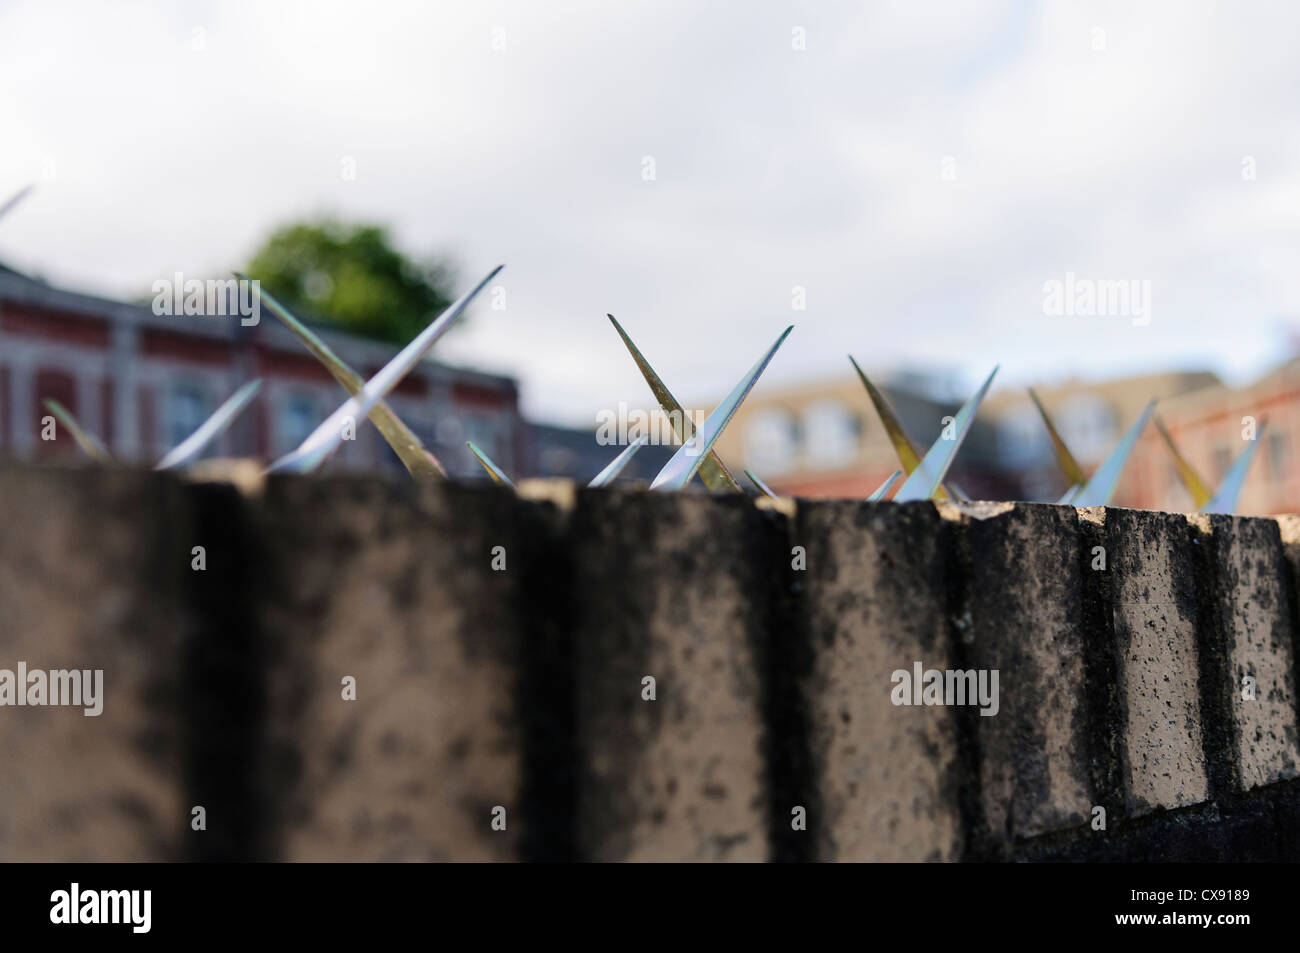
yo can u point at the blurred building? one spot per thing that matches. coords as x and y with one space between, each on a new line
143 382
1092 417
825 439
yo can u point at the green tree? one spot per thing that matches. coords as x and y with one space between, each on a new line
352 277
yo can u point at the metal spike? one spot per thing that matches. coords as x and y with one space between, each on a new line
210 429
91 445
713 471
906 451
904 448
684 464
880 491
616 466
1101 487
762 487
934 467
1199 489
325 439
1064 458
493 470
417 459
1225 499
21 194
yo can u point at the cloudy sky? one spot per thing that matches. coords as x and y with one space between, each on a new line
921 170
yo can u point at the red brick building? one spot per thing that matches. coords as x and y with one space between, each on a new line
142 382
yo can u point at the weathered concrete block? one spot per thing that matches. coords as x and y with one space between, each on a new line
876 602
1255 613
90 580
668 588
1026 617
394 586
1154 609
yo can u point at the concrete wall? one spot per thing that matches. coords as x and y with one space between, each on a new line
620 675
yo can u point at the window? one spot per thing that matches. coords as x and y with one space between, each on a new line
298 418
187 407
771 442
830 434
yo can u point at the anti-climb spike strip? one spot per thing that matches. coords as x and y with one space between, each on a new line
677 473
904 448
713 471
417 459
325 439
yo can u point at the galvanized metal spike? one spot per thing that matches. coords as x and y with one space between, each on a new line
904 448
91 445
906 451
684 464
880 491
926 478
325 439
763 487
1101 487
1225 499
1200 490
417 459
15 199
713 471
210 429
493 470
1064 458
616 465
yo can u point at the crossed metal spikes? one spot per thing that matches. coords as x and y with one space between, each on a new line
1223 500
696 454
1100 488
697 446
925 475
